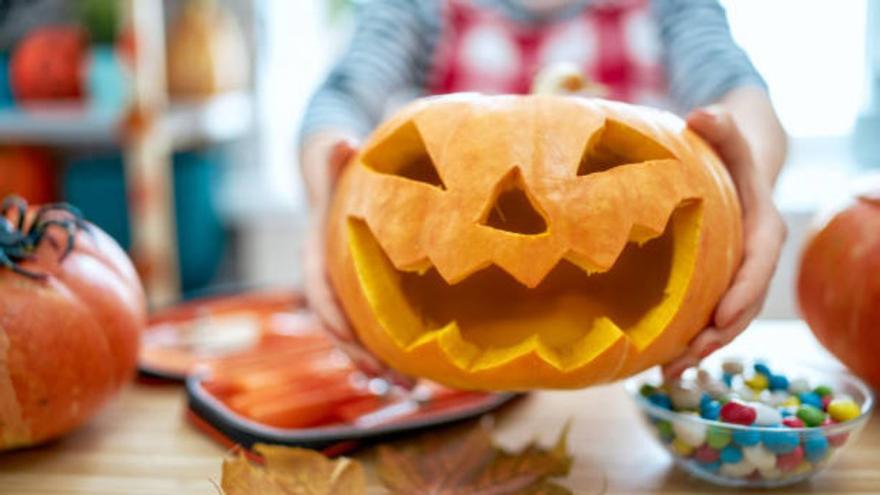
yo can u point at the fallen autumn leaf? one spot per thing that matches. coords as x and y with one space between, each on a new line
292 471
469 464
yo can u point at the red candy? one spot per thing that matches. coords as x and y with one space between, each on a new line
835 440
741 414
825 401
706 454
793 422
791 460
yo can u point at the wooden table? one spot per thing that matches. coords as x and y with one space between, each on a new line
142 445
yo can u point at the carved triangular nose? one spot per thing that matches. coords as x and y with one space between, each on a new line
512 210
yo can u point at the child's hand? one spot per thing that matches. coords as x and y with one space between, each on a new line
764 232
319 293
330 158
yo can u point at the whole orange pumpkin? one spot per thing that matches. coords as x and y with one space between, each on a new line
514 242
839 285
49 64
69 322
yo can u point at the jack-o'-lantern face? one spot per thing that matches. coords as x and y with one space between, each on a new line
518 242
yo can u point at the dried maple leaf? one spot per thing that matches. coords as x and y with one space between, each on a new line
292 471
469 464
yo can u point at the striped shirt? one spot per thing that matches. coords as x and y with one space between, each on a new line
393 48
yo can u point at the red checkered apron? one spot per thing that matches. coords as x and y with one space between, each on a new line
614 41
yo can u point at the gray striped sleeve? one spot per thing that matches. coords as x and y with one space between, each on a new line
385 54
703 62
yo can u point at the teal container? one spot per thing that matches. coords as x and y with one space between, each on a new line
96 185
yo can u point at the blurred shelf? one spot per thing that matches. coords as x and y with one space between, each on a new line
221 118
188 123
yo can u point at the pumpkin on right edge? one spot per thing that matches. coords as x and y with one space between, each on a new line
839 285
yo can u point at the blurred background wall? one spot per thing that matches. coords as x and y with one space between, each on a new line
240 208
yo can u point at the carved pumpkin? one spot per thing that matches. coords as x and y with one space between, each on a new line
839 285
531 241
49 64
70 324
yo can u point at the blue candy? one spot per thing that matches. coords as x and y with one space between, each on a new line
815 447
704 399
781 441
727 378
712 467
778 382
660 399
710 410
747 437
731 454
763 369
811 398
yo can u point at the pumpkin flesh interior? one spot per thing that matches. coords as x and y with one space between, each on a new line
489 318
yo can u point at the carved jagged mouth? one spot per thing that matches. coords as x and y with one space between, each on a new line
489 318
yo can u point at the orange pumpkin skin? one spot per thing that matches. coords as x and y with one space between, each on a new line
445 272
29 172
49 64
839 285
67 343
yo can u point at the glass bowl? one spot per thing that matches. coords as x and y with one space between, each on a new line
756 457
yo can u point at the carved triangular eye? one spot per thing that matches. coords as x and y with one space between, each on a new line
404 154
512 209
618 144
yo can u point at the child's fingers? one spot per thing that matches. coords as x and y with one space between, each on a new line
763 245
340 155
717 127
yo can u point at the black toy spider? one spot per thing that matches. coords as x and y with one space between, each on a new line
18 243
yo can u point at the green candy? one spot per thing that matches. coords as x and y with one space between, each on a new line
647 389
823 390
717 437
811 416
664 429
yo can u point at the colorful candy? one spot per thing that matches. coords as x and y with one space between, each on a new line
758 382
692 433
766 415
718 437
760 457
705 454
771 419
815 447
746 437
791 460
732 367
738 413
780 441
731 454
810 415
842 410
811 399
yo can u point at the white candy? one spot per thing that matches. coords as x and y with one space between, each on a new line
703 377
732 366
741 469
798 385
777 397
690 432
759 457
746 394
766 415
716 389
772 473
